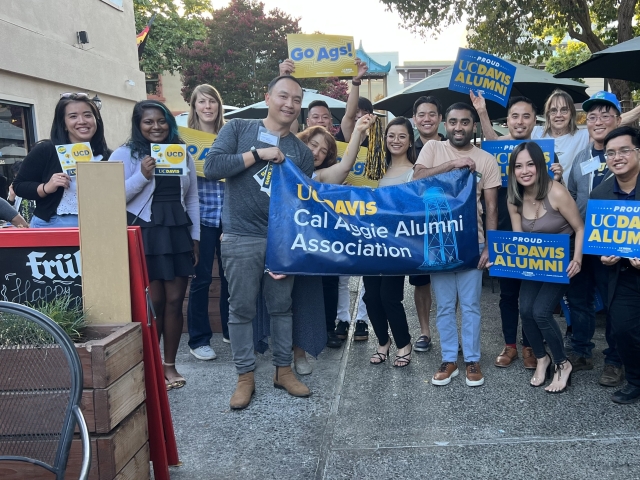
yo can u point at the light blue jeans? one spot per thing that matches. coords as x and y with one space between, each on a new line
56 221
448 288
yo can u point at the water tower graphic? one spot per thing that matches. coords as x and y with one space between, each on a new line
440 245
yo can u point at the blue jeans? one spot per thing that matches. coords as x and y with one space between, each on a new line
243 260
538 300
449 287
198 309
56 221
581 297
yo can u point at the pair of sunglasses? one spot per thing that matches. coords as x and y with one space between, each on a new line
73 95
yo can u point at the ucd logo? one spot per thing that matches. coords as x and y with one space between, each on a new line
345 207
174 154
81 153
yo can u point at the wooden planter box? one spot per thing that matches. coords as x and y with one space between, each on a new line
112 404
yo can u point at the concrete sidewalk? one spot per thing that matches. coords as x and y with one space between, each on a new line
371 422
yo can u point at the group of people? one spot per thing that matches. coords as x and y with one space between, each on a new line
187 221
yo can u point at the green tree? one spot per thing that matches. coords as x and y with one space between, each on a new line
240 53
519 29
177 23
568 56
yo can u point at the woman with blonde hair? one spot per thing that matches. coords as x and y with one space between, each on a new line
206 114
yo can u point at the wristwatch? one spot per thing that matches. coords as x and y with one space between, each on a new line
254 152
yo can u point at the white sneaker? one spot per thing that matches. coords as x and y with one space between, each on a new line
303 367
226 340
205 352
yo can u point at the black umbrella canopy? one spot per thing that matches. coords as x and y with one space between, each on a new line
621 62
528 82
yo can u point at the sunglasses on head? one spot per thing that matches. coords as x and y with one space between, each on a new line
73 95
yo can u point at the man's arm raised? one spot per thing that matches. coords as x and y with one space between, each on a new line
349 119
481 107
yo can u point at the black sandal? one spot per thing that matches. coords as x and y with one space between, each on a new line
380 355
403 359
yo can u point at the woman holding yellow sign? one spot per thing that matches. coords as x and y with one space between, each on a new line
165 205
538 204
77 134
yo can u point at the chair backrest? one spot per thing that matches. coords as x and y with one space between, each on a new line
40 391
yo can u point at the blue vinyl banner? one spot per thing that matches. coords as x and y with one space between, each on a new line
612 227
481 72
540 257
426 226
501 150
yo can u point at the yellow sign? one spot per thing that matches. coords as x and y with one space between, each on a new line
171 159
356 176
322 55
73 153
198 145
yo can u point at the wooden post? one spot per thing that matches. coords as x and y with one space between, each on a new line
102 218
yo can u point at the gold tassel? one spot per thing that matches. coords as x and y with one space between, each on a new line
376 164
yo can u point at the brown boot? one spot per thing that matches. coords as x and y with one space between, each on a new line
286 380
244 390
529 359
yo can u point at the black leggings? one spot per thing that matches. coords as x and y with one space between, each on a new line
330 292
383 297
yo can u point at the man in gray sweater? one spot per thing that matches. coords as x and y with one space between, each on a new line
241 155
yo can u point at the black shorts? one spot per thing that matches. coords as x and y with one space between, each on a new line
419 280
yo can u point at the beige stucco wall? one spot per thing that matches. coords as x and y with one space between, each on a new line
171 91
40 59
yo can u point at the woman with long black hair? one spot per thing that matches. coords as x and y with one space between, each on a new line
76 120
166 207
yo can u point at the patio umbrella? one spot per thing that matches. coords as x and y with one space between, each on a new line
621 62
259 110
529 82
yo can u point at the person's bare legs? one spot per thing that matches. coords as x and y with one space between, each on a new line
422 298
167 298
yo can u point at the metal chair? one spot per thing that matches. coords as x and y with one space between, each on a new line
40 391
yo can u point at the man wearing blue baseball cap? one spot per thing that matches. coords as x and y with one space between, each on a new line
588 169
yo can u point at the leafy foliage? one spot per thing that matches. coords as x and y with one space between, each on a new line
520 29
568 56
176 24
240 53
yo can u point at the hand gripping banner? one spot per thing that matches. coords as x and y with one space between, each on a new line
421 227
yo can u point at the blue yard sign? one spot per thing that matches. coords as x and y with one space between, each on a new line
426 226
612 227
501 150
481 72
539 257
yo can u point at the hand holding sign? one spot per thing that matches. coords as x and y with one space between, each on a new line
147 166
287 67
56 181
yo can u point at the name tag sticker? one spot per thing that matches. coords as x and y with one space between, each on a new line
590 165
268 137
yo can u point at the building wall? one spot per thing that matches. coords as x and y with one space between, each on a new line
40 58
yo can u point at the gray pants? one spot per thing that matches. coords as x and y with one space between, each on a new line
243 262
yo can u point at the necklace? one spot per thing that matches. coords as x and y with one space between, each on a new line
536 217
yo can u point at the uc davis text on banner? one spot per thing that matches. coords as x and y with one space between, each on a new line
481 72
322 55
612 227
501 150
426 226
539 257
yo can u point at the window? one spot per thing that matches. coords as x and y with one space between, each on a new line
16 136
114 3
417 75
153 83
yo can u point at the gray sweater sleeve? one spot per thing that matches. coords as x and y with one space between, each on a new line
222 161
7 212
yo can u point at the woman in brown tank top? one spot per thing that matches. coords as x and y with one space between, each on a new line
540 205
